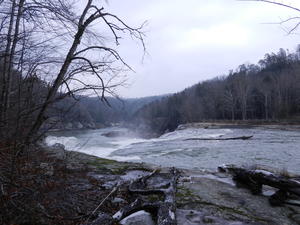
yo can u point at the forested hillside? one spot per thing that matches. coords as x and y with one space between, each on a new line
70 112
269 90
118 110
92 112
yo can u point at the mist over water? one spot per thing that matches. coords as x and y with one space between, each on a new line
272 148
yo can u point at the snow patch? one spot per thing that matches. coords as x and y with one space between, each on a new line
264 172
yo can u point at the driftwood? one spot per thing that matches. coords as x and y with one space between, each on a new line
219 139
164 210
104 216
254 179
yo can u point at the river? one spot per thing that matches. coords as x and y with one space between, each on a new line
273 148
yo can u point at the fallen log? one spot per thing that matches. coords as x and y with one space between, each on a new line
293 202
220 139
167 210
254 179
164 210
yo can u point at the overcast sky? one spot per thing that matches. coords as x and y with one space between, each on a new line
194 40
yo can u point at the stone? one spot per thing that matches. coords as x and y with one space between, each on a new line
118 200
138 218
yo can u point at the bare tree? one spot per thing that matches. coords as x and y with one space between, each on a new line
230 100
294 19
73 53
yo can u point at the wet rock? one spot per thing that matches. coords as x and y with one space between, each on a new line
224 202
134 174
138 218
118 200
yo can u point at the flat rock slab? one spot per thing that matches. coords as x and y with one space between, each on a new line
138 218
193 217
226 204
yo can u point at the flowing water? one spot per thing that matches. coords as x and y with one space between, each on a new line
269 147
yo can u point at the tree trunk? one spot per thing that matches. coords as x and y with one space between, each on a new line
5 64
11 58
255 178
266 107
60 77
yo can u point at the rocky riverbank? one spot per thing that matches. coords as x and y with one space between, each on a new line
75 188
244 124
202 197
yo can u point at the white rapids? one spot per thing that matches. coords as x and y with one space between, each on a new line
274 148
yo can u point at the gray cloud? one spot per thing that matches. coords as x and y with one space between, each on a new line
190 41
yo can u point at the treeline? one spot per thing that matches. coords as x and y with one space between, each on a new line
78 111
117 110
91 112
269 90
67 112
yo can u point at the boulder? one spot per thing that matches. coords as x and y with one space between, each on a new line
118 200
138 218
